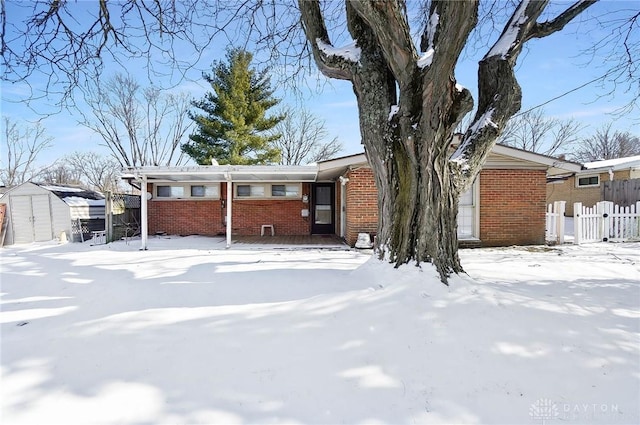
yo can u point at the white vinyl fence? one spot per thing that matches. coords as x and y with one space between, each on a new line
603 222
554 230
606 222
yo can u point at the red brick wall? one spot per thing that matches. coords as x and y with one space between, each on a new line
361 203
512 207
182 217
207 217
285 215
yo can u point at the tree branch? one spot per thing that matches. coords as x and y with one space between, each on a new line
330 62
398 48
544 29
499 94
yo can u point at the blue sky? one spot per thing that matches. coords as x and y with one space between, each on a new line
549 68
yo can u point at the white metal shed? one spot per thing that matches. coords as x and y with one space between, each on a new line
34 214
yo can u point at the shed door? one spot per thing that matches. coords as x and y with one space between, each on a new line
31 218
41 218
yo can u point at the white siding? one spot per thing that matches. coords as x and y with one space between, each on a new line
36 214
20 216
41 218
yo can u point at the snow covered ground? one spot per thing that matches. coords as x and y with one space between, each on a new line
188 332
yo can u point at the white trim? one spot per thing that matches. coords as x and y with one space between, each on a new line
536 157
268 190
476 203
587 176
301 173
343 206
614 164
475 206
144 225
186 191
229 202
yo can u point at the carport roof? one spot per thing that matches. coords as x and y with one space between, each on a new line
218 173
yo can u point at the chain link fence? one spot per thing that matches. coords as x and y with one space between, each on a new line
122 216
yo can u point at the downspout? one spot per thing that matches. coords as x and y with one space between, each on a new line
343 206
229 206
143 213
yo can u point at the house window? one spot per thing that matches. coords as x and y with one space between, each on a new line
268 190
588 181
467 214
169 191
287 190
202 191
249 190
176 191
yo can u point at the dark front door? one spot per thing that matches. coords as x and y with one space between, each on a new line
323 209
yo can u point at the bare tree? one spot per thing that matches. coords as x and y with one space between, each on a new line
408 98
61 173
304 138
22 144
97 171
535 132
607 144
410 105
64 42
139 126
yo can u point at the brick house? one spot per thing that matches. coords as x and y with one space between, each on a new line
585 184
505 206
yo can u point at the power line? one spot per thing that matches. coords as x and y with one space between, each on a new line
559 96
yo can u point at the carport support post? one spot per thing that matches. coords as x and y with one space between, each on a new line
229 198
143 213
108 217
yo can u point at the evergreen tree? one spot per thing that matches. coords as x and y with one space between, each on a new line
233 127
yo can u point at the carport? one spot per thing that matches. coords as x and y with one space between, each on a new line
229 174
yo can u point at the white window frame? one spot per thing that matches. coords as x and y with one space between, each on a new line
589 176
475 208
287 188
207 188
267 190
186 191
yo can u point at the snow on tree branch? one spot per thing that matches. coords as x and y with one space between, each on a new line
499 94
350 52
330 63
399 50
428 41
509 36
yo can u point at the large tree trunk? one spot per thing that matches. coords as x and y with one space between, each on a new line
417 196
407 127
409 106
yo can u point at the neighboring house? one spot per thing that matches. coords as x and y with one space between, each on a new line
39 213
587 185
506 205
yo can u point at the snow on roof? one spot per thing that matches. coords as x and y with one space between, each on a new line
75 193
76 201
54 188
618 162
